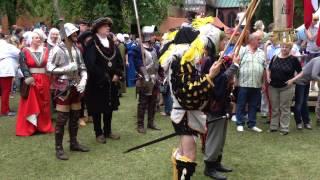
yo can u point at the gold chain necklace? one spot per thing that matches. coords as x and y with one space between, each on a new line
104 56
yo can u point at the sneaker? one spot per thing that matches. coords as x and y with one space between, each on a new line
240 128
299 126
234 118
308 126
256 129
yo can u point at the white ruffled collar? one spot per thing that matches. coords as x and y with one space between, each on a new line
104 41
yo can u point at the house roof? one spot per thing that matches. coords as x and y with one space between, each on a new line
226 4
171 22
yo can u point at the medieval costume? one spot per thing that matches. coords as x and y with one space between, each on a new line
133 51
104 64
70 78
180 59
34 110
147 82
82 43
124 54
218 105
53 38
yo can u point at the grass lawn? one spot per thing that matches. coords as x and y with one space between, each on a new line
253 156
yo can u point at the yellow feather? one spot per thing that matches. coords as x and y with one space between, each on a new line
196 50
198 22
166 55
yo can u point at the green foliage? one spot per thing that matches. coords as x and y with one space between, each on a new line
264 12
121 11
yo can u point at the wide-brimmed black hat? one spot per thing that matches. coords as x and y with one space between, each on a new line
84 35
101 22
82 21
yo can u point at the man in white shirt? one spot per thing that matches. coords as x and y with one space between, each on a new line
9 56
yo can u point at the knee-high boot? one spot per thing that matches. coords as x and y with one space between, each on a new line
141 111
59 132
73 132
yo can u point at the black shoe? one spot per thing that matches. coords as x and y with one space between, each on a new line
61 155
113 136
213 173
101 139
141 130
272 130
79 147
153 127
222 168
284 133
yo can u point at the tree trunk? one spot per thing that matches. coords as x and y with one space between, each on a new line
11 11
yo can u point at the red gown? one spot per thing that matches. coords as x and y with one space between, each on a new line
34 113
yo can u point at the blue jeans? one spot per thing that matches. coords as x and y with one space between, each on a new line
167 99
252 97
301 111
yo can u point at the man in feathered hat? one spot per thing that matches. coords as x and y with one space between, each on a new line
189 88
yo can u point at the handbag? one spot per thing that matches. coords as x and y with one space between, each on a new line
24 89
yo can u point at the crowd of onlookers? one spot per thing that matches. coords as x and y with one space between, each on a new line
271 76
276 75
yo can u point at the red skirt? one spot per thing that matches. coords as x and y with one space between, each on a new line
34 112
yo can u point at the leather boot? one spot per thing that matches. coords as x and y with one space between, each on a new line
185 169
220 167
152 101
73 132
59 132
210 171
140 117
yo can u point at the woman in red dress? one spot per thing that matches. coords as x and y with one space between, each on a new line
34 111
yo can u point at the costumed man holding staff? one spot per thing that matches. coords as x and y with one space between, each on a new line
70 77
147 82
104 63
180 59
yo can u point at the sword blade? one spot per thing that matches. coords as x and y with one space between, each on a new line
169 136
151 142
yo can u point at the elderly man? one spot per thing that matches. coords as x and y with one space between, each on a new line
250 79
312 49
311 72
9 55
